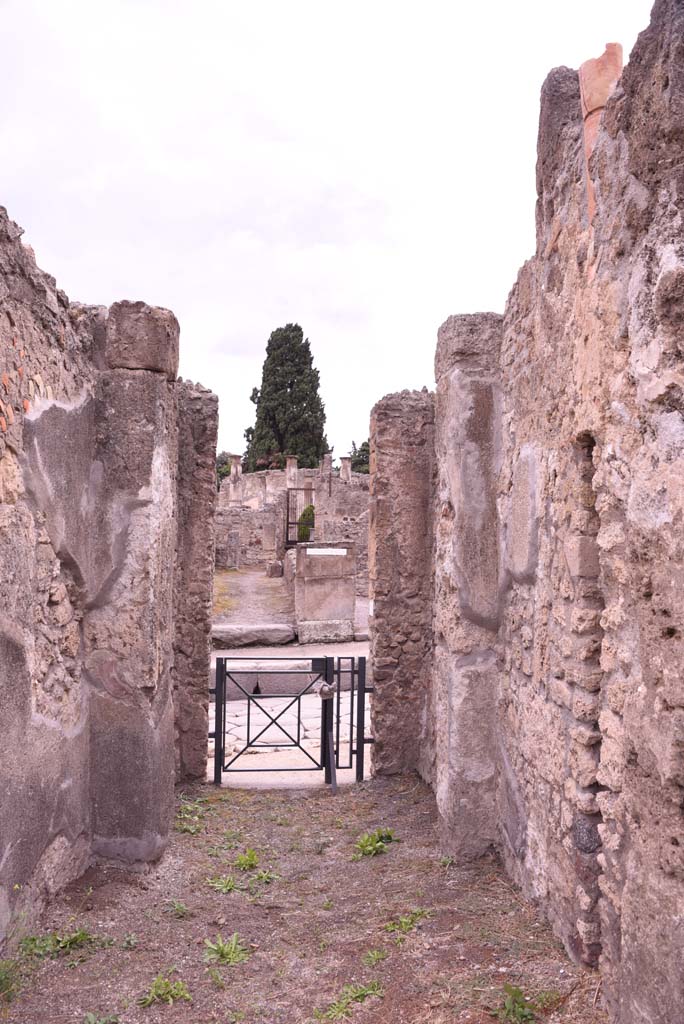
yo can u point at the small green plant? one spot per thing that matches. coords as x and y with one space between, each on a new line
305 523
190 816
406 923
327 904
54 945
370 844
265 876
163 990
130 941
350 994
548 1000
9 981
223 883
224 951
446 862
189 826
374 956
247 861
216 979
92 1018
516 1008
177 908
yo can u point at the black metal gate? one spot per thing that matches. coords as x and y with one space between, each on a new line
300 520
258 680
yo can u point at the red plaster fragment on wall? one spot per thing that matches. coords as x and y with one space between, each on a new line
27 405
3 424
5 381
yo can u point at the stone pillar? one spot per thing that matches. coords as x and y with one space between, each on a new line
466 604
598 78
326 465
194 573
235 466
345 469
325 593
400 570
291 471
128 627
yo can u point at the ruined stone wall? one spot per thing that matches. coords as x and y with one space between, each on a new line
251 514
568 753
461 723
342 518
399 566
194 576
247 536
89 435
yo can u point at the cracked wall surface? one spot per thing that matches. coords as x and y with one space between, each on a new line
96 520
554 702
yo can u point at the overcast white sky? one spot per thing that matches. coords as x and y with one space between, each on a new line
362 168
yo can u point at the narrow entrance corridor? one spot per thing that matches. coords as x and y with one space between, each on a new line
265 910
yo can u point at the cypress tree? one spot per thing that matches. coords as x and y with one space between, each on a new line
290 417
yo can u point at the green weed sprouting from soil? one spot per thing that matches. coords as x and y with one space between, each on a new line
163 990
190 817
370 844
53 945
223 884
406 923
350 994
247 861
374 956
177 908
516 1008
92 1018
9 981
222 951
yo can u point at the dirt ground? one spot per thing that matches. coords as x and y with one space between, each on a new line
249 595
419 939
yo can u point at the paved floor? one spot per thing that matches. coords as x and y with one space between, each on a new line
255 725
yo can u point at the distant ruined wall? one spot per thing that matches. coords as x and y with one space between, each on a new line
89 486
558 541
250 518
247 536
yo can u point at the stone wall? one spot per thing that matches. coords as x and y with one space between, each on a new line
248 536
251 513
399 563
554 725
194 576
89 491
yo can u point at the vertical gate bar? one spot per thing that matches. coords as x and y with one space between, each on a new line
324 745
352 695
328 713
219 732
338 707
299 720
331 751
361 721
